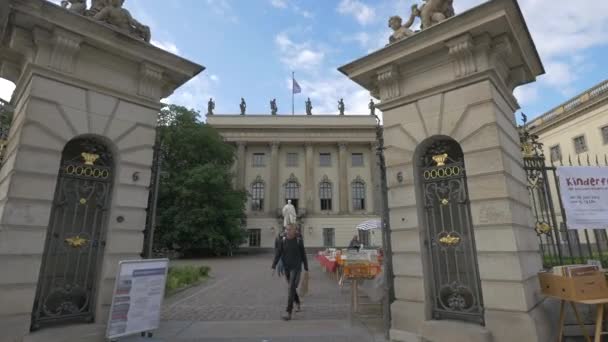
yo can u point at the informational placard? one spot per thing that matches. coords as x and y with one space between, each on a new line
584 193
138 297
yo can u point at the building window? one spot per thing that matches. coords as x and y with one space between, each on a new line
556 153
364 237
257 195
358 189
357 159
255 236
292 191
605 134
259 159
329 237
324 159
580 145
325 194
292 160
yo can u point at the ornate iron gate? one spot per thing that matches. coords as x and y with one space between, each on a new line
450 241
76 235
558 245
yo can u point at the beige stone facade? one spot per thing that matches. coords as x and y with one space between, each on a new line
75 78
455 81
576 129
317 156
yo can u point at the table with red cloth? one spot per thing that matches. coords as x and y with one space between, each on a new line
329 264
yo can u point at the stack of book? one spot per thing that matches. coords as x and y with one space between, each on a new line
575 270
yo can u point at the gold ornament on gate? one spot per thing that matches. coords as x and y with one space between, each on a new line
450 240
89 158
440 159
445 201
76 241
527 149
542 228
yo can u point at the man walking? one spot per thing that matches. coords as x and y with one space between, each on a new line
292 254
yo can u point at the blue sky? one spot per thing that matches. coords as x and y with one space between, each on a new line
250 47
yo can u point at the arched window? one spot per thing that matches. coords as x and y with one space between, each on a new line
292 190
358 193
257 195
325 194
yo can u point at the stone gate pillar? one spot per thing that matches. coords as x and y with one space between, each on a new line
76 78
454 81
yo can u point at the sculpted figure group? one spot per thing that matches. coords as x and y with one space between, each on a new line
112 13
431 12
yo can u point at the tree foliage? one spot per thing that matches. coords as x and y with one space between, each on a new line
199 211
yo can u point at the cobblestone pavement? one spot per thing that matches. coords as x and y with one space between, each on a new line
243 301
243 288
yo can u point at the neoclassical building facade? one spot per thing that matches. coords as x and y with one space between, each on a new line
325 164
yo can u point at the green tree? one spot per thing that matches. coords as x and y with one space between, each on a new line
199 211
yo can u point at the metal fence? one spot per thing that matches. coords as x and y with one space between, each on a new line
558 245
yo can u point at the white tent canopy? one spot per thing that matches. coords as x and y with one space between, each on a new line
369 225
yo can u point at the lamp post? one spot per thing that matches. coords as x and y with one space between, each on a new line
389 291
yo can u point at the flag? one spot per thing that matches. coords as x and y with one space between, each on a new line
296 87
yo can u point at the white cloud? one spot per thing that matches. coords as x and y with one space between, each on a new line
278 3
214 78
363 13
195 93
302 56
527 94
223 8
6 89
324 93
168 46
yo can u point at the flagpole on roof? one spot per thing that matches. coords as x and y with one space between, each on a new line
292 92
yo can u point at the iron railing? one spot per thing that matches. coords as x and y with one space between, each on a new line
558 245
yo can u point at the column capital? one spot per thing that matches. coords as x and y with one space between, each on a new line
241 143
342 144
274 144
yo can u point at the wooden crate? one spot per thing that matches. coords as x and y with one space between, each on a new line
574 288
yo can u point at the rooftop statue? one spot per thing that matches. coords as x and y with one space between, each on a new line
308 107
341 106
431 12
273 107
210 106
372 107
243 106
112 13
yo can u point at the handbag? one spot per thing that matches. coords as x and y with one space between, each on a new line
304 284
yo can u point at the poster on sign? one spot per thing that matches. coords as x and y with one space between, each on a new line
138 296
584 193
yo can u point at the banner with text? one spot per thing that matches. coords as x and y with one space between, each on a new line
584 193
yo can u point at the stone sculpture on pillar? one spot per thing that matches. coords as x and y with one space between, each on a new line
210 106
341 106
243 106
76 6
308 107
289 214
273 107
430 13
112 13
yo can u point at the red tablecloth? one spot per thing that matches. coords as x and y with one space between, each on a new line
329 265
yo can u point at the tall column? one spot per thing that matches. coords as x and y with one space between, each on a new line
273 193
343 177
310 178
241 164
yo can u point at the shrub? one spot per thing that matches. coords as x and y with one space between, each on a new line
180 277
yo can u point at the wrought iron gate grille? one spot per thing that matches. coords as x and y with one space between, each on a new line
450 239
75 237
558 246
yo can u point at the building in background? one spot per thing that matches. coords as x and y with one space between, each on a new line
576 129
325 164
